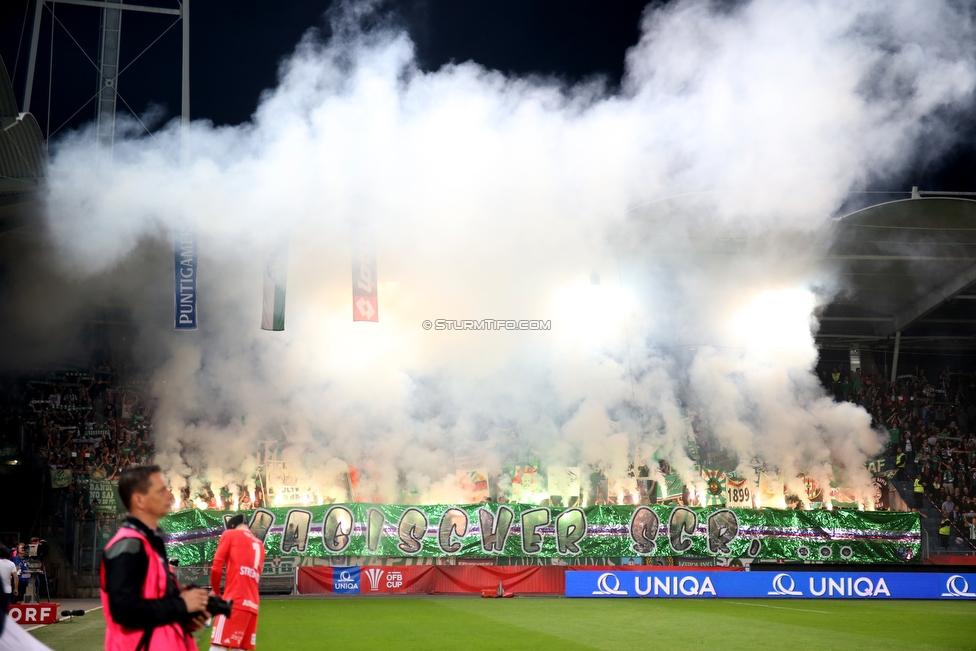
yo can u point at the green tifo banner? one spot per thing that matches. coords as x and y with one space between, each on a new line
527 530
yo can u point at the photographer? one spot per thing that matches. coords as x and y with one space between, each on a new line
143 604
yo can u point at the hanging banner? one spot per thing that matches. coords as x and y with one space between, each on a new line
287 485
772 492
813 490
843 497
365 306
716 491
670 488
473 483
275 276
522 530
526 482
104 497
564 485
878 468
881 494
185 270
740 492
61 478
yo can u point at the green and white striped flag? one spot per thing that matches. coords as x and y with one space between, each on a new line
716 492
275 276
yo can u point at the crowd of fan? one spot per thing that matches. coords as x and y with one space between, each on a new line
96 423
91 423
932 428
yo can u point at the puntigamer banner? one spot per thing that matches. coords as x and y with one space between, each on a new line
526 530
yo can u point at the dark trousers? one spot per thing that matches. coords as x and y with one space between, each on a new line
918 499
21 592
944 539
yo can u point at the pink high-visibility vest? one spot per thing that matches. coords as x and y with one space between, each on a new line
169 637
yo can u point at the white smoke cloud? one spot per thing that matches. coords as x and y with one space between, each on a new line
498 197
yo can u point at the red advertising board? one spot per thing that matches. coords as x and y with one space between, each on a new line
950 559
430 579
411 579
30 614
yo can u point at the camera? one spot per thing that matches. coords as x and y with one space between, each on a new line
37 549
216 605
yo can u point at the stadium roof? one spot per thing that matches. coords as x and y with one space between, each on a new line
22 161
21 145
909 266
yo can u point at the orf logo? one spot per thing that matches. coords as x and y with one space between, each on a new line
608 583
374 575
957 586
46 613
782 588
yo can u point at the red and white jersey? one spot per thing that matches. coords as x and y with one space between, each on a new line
243 556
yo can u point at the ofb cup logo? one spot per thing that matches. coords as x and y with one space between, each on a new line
608 583
374 575
780 588
957 586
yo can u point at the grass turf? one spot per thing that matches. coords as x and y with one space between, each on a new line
576 624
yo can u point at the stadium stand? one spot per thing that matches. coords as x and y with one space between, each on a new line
934 424
82 427
79 428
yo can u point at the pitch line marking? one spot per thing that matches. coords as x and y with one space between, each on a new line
31 628
806 610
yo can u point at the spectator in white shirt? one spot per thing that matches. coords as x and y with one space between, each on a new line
8 577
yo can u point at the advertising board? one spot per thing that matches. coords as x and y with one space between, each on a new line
772 585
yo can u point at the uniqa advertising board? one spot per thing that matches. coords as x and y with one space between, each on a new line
772 585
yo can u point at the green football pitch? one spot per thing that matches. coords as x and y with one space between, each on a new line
525 624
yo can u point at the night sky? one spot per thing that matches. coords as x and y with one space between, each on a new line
237 45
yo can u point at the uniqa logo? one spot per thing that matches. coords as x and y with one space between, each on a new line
953 590
673 586
861 586
604 584
780 588
345 581
374 575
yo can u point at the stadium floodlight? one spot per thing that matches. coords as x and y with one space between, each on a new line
592 314
776 319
